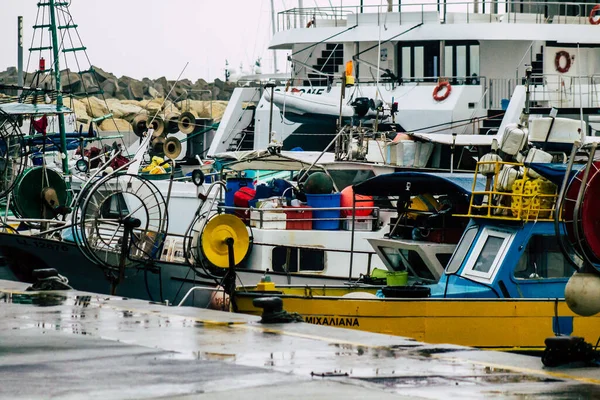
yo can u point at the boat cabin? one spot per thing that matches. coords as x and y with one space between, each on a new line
510 248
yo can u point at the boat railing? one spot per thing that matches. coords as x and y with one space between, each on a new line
512 192
557 90
303 218
485 11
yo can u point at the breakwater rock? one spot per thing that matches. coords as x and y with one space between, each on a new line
127 97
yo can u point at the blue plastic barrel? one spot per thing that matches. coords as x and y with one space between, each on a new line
235 184
504 104
325 201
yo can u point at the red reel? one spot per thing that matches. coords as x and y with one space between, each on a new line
587 218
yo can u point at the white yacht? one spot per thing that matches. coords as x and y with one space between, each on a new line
446 68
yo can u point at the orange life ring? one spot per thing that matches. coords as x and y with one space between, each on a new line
440 86
557 59
594 21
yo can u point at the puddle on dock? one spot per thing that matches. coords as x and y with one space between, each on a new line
35 299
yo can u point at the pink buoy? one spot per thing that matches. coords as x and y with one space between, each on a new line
361 201
401 136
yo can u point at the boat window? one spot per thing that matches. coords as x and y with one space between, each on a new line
461 61
448 60
542 258
280 257
299 259
487 254
407 260
419 67
461 250
474 60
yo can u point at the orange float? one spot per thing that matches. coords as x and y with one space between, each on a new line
440 86
593 19
361 201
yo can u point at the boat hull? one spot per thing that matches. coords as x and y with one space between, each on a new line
504 324
164 281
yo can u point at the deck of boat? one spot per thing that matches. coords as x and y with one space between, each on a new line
81 345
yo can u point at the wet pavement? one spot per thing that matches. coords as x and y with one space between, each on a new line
77 345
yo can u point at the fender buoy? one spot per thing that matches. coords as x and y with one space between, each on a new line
593 20
436 92
560 55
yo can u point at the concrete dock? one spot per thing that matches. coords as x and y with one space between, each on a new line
81 345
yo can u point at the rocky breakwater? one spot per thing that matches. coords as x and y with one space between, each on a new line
127 98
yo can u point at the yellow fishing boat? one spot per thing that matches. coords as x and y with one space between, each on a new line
506 324
503 288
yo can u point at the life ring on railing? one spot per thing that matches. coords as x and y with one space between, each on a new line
559 56
436 92
594 21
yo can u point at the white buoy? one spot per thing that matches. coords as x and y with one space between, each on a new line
582 293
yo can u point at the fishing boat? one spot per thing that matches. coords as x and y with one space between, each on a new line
505 282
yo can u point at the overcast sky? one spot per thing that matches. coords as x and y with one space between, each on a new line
154 38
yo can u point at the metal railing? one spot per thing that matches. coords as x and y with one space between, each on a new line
257 217
527 199
492 11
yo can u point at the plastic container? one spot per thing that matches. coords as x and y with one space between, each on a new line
270 219
298 218
359 224
325 201
235 184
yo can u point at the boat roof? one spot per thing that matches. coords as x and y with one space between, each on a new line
418 22
266 161
33 109
420 182
555 172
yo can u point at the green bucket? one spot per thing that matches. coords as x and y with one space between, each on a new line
393 278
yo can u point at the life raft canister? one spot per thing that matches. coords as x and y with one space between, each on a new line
559 56
436 91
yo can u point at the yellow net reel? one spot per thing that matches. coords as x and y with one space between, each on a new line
214 240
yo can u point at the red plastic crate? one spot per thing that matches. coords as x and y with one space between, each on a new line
298 215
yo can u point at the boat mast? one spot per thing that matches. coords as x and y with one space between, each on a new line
59 99
20 82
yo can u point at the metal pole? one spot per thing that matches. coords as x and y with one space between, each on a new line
272 86
301 12
20 82
274 31
59 99
352 235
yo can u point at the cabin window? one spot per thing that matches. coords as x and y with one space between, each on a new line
461 61
461 250
542 259
407 260
299 259
487 254
418 61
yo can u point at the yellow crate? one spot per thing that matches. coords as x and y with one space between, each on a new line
533 198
